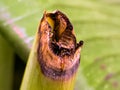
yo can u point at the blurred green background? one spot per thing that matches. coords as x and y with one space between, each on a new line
96 22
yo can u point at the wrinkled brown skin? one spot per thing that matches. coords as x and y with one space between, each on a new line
58 52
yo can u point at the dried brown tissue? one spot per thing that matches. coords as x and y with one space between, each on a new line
58 52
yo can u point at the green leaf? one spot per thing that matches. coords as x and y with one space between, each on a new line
97 22
6 65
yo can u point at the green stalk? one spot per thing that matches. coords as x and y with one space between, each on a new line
35 80
50 67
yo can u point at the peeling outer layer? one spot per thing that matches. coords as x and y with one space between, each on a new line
58 52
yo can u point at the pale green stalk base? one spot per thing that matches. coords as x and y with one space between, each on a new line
35 80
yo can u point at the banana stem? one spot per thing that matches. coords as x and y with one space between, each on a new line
55 55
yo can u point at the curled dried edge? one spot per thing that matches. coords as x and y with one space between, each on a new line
58 52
